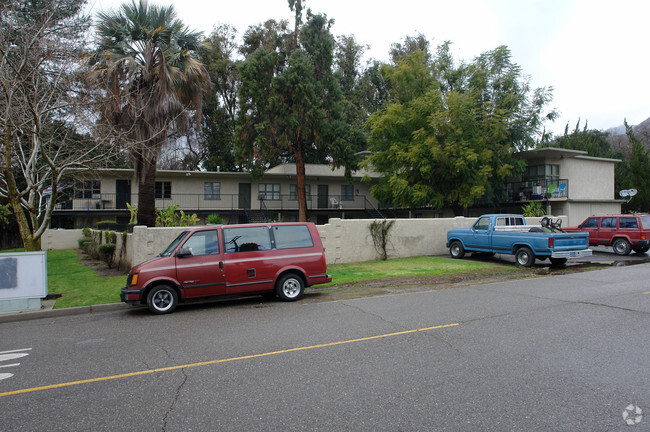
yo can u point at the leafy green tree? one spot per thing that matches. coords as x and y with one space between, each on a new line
447 137
636 175
221 111
146 61
291 103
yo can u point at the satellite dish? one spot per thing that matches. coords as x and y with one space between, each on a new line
632 192
624 193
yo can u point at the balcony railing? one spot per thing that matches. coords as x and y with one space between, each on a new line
225 202
538 190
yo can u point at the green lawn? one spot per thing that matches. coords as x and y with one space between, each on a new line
81 286
409 267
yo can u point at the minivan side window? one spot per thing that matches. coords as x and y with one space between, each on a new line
608 223
246 239
628 222
292 236
591 223
203 243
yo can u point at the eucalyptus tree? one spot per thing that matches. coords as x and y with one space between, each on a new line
43 111
147 63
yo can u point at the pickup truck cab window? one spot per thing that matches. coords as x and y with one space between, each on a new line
482 224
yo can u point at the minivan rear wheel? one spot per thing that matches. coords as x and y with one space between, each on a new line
162 299
290 287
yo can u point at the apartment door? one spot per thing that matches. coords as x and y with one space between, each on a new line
122 193
244 195
323 198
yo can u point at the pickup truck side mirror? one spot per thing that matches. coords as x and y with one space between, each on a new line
184 252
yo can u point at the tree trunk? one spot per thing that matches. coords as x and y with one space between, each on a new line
147 193
300 182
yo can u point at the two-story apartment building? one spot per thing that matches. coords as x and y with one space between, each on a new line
237 197
566 182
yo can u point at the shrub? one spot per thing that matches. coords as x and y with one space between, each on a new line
107 253
87 232
84 242
533 209
215 219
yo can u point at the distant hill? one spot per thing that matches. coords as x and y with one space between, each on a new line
618 139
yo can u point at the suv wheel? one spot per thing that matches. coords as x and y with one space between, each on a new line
621 246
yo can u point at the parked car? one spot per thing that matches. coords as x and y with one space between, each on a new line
509 234
623 232
280 258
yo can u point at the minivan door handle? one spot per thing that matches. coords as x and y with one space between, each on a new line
221 265
250 273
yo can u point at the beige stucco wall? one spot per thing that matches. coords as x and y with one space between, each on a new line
344 240
588 178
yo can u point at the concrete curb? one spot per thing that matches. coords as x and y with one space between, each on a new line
55 313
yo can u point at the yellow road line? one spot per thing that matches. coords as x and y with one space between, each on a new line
648 292
211 362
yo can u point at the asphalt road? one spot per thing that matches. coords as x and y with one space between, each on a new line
558 353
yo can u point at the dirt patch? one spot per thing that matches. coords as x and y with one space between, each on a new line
100 267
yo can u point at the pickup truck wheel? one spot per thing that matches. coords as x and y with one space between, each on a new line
558 261
290 287
621 246
524 257
640 249
456 249
162 299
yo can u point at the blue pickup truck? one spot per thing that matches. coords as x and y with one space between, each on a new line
509 234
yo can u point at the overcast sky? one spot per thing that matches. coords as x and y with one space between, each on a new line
593 52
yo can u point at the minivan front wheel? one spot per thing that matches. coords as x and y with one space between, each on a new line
290 287
162 299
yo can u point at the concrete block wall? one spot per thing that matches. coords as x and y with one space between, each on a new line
344 240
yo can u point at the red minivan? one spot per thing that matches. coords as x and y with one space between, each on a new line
230 259
624 232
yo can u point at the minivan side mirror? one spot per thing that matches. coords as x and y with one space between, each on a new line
184 252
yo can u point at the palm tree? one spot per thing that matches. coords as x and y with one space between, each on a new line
146 63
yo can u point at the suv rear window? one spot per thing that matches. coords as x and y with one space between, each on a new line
627 222
247 239
645 221
292 236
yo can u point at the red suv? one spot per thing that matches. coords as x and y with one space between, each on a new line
625 232
282 258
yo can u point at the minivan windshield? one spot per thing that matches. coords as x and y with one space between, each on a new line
173 244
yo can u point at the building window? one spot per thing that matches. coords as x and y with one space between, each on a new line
269 191
293 192
347 193
541 172
212 190
87 189
163 190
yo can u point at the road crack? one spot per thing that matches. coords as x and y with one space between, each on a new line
175 399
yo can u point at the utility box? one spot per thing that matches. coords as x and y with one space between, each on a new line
23 281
